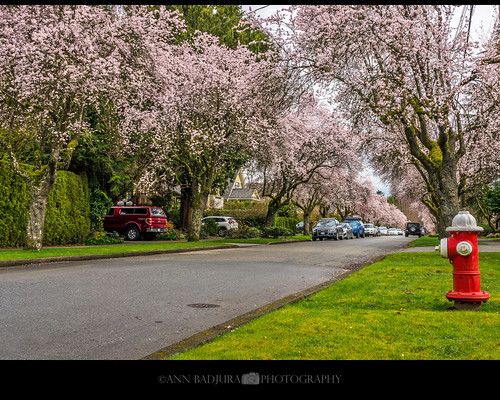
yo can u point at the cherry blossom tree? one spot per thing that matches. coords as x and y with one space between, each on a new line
317 191
56 61
401 74
205 106
351 193
303 142
481 164
378 210
408 188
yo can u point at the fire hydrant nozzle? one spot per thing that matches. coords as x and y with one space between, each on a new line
462 251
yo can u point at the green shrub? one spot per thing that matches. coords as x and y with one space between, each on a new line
100 203
67 218
99 237
288 211
258 222
245 232
276 231
286 222
14 206
67 215
209 227
172 234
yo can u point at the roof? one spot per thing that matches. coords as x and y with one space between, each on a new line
241 193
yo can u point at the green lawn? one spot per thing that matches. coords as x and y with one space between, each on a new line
394 309
432 241
425 241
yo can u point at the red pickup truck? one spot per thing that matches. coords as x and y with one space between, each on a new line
135 221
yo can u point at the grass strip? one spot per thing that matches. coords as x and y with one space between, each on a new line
425 241
46 252
432 241
395 309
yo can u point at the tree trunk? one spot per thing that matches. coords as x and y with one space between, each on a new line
307 218
272 210
445 201
449 203
200 190
185 208
440 173
196 210
38 206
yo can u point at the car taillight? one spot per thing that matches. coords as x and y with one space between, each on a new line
149 221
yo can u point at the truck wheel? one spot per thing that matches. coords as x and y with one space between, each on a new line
132 233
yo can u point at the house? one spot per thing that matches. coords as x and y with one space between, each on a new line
237 191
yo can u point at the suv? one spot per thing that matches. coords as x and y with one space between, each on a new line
327 228
357 227
414 228
371 230
226 224
134 221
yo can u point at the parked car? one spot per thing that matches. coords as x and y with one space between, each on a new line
226 224
327 228
135 221
357 227
300 227
400 231
378 231
383 230
370 230
414 228
347 231
392 231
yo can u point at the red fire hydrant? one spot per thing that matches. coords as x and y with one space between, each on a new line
462 251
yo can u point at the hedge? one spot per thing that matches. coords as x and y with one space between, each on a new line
67 218
14 202
287 223
68 210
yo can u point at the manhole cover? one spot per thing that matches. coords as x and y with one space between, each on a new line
203 305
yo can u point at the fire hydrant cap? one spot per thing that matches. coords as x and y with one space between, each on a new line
464 221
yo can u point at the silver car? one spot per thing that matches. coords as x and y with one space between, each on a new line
226 224
347 231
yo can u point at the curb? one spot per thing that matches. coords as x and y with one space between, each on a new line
12 263
210 334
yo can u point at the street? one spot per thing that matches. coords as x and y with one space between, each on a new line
128 308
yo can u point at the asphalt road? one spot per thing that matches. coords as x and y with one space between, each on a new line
128 308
